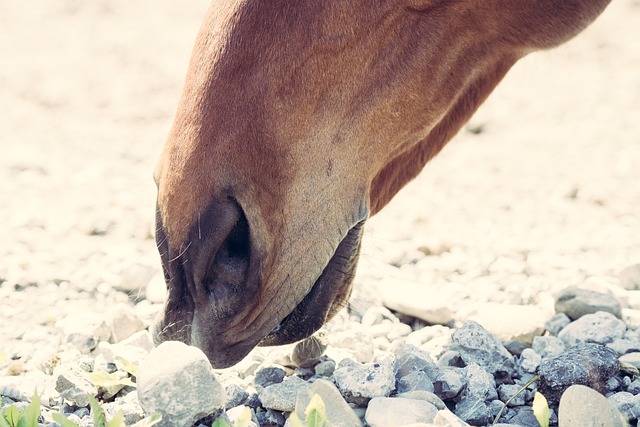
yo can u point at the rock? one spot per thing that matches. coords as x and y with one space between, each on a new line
424 395
599 328
547 346
476 345
449 382
234 413
576 302
355 340
587 364
632 359
84 330
627 404
325 368
397 411
601 412
414 369
480 384
135 277
446 418
359 383
624 346
269 375
72 384
123 322
178 382
524 417
529 361
236 396
339 413
630 277
556 323
417 300
473 411
426 334
270 418
282 396
509 322
307 352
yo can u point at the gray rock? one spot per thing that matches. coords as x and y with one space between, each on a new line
72 384
325 368
236 396
339 413
123 322
624 346
476 345
269 375
630 277
282 396
84 330
510 391
414 369
529 361
449 383
397 411
547 346
634 387
576 302
627 404
601 412
587 364
359 383
426 396
557 323
178 382
480 384
473 411
417 380
599 328
524 417
270 418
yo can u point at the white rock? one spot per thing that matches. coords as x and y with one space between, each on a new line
418 300
398 411
509 322
84 330
601 412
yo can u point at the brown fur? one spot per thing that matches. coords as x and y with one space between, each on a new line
306 117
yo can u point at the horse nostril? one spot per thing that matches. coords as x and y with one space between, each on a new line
230 264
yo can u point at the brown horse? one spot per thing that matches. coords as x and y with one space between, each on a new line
300 119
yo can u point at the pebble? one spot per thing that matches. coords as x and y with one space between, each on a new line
601 412
398 411
269 375
576 302
556 323
600 328
84 330
282 396
417 300
72 384
630 277
627 404
174 369
587 364
529 361
359 383
547 346
509 322
449 382
123 322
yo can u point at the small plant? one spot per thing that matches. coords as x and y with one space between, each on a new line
315 414
244 420
25 418
541 409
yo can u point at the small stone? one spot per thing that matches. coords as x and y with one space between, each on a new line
510 391
630 277
339 413
375 315
236 396
178 382
576 302
587 364
325 368
632 359
73 385
424 395
359 383
269 375
601 412
134 278
270 418
449 382
634 387
236 412
282 396
156 290
529 361
416 300
446 418
520 323
473 411
123 322
414 369
476 345
547 346
627 404
524 417
397 411
84 330
480 384
624 346
556 323
599 328
307 352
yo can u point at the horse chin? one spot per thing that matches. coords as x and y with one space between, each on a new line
329 294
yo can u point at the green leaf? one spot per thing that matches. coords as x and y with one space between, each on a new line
541 410
316 412
149 421
3 420
12 415
220 422
105 380
125 365
99 418
63 421
29 417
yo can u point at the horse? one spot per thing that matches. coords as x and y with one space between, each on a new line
298 121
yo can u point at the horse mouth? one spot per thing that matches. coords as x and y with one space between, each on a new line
329 294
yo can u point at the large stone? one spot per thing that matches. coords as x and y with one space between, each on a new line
576 302
510 322
398 411
600 328
282 396
339 413
359 383
587 364
475 344
178 382
582 406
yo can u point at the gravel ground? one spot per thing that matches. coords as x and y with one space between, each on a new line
539 193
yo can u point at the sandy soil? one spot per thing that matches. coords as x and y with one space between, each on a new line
88 91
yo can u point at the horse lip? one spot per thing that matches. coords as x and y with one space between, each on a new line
335 280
